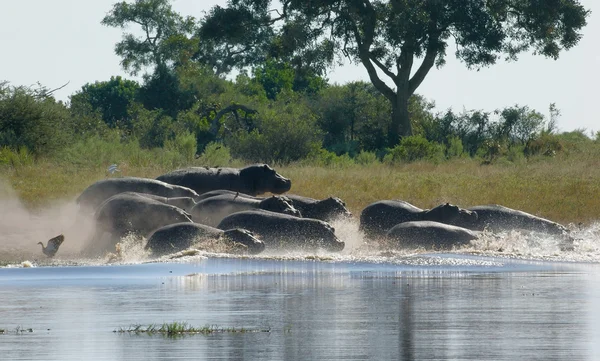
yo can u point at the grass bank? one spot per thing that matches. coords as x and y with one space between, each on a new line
562 189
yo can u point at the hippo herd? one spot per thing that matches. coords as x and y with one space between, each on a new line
188 207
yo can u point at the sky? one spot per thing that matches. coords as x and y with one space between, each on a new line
60 41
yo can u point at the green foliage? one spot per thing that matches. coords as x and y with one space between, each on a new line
415 148
184 144
111 99
165 38
354 117
215 155
365 157
30 119
15 158
284 131
455 148
323 158
163 90
386 37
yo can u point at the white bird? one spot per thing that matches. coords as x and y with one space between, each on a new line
113 168
53 244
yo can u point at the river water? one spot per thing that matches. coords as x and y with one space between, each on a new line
428 306
507 297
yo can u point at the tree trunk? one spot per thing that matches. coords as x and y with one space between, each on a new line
400 125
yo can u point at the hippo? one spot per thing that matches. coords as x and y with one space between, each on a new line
220 192
185 203
377 218
253 180
100 191
180 236
284 232
325 209
495 217
211 211
429 234
127 213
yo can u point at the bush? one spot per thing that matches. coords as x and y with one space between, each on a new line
365 158
414 148
284 131
324 158
184 144
455 148
215 155
29 118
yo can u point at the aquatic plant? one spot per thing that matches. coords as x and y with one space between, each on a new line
183 328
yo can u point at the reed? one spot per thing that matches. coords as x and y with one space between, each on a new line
182 328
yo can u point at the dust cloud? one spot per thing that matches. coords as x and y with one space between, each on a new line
21 229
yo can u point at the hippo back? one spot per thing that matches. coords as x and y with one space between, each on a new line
100 191
429 234
251 180
326 209
498 218
220 192
180 236
377 218
133 213
450 214
281 231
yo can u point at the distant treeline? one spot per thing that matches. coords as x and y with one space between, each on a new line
265 117
281 107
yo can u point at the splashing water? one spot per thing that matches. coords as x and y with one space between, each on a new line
21 229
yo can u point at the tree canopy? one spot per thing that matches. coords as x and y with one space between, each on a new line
398 41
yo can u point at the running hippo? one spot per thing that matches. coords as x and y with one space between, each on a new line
284 232
429 234
185 203
253 180
499 218
325 209
379 217
128 213
100 191
211 211
180 236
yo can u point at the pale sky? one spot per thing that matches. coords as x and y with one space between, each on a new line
56 41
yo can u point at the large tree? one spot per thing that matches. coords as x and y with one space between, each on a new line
401 40
165 35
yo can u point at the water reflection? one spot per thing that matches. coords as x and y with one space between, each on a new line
314 310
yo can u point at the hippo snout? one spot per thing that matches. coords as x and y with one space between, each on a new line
281 184
336 246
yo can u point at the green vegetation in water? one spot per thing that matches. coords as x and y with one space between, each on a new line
183 328
17 330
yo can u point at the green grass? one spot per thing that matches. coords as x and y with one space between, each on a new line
182 328
564 188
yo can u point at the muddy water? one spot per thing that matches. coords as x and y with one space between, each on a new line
428 306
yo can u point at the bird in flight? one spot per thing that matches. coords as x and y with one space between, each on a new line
52 246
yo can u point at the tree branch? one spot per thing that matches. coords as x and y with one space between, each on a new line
233 108
383 68
426 65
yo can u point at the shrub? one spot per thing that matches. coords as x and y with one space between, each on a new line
284 131
324 158
365 158
215 155
184 144
414 148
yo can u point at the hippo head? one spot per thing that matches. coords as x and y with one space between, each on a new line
279 204
261 178
450 214
323 235
245 238
333 207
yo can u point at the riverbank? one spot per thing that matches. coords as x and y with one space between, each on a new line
562 189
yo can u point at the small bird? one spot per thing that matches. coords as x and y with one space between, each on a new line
53 244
